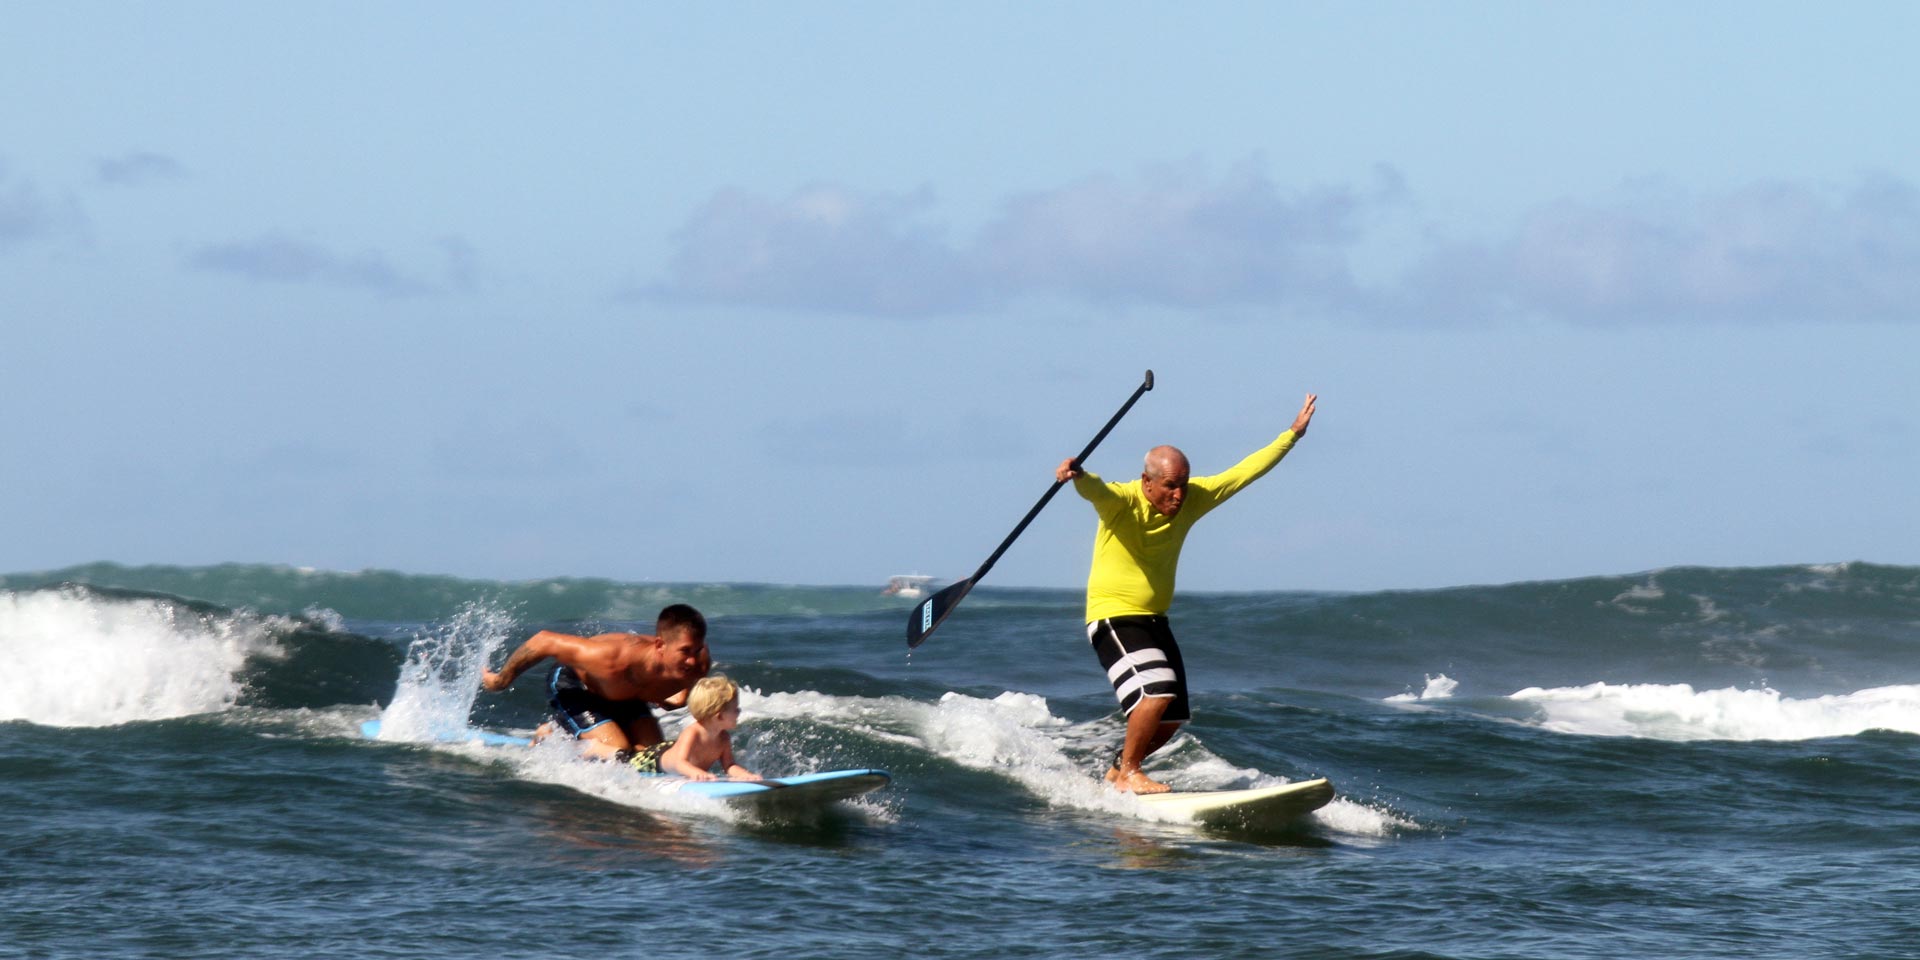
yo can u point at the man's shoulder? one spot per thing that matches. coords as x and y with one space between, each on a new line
605 652
620 639
1120 497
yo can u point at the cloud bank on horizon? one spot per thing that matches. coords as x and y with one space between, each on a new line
1179 237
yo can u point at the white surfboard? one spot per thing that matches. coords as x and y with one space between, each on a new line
1260 808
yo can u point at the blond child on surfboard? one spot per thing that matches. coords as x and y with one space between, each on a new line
714 707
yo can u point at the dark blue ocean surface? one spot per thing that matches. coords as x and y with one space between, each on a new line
1684 763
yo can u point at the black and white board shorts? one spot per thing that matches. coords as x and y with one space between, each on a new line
1142 660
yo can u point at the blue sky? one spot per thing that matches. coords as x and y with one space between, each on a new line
819 294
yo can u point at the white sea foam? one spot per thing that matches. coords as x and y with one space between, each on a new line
557 761
1679 712
1362 819
327 618
1631 599
1017 736
75 659
1439 687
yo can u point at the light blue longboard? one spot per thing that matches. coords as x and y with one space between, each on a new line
776 793
371 730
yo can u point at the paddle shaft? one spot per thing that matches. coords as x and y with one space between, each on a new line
1145 385
931 612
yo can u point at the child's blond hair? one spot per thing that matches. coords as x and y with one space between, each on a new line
711 695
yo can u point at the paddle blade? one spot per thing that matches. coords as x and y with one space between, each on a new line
928 615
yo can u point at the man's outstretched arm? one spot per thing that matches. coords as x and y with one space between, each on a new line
1255 465
538 647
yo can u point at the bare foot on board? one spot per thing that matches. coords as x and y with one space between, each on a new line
1135 782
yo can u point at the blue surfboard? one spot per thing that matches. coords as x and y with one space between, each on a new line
807 789
371 730
773 793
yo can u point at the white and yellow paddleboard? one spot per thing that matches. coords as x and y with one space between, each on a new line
1260 808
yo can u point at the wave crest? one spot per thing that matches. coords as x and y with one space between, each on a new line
82 659
1679 712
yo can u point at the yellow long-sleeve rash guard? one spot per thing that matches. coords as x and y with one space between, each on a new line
1136 550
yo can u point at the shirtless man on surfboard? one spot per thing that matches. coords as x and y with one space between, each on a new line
1143 525
604 687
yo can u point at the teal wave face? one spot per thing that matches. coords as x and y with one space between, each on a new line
384 595
1804 630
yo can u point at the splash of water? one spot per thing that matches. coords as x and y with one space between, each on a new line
441 677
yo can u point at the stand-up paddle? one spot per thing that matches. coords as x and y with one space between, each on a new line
929 615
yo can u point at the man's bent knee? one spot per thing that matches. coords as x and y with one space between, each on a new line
604 740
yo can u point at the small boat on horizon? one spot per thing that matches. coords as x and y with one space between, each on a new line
910 585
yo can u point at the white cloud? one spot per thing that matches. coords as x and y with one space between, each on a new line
1179 238
277 259
1772 251
136 168
1176 237
24 213
823 248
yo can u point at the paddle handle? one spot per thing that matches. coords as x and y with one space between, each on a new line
1145 385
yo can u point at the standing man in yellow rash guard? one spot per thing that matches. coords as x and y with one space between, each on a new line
1136 551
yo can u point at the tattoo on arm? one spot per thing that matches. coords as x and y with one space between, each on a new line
528 655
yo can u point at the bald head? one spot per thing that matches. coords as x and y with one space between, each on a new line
1164 481
1165 461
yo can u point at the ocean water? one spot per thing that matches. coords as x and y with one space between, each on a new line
1682 763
